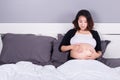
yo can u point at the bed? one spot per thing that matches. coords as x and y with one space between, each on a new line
29 51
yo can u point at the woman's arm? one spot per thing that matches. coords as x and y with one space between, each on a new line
70 47
98 41
65 43
66 48
95 55
98 52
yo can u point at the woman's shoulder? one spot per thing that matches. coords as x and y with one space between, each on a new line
71 32
93 31
73 29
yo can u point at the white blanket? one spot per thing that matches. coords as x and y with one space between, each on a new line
88 70
71 70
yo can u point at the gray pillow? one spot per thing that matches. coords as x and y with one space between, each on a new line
104 44
112 62
57 56
61 57
26 47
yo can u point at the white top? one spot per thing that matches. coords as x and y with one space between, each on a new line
83 38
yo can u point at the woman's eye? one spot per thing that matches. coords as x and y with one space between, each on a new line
79 21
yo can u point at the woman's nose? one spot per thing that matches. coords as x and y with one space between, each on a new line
83 24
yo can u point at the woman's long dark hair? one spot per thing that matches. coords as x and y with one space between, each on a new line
87 15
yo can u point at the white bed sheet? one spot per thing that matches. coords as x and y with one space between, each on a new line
71 70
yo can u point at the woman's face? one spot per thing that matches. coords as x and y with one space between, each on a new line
82 22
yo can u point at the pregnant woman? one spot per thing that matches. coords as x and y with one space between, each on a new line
82 41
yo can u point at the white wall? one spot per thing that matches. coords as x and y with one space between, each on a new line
57 11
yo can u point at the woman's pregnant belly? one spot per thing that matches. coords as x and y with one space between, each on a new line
83 50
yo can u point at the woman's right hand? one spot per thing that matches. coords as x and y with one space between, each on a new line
75 47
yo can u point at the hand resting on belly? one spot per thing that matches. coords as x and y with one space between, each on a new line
82 51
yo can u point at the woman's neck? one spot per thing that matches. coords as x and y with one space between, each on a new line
83 31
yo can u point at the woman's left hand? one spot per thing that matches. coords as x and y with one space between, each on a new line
95 55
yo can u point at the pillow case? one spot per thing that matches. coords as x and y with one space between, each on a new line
60 57
112 62
104 44
26 47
